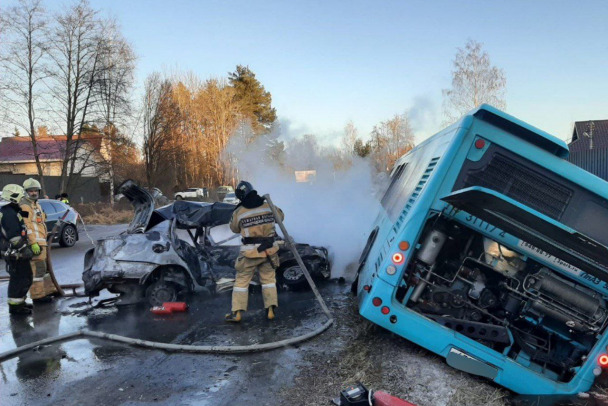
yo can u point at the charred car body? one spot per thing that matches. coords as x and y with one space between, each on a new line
151 261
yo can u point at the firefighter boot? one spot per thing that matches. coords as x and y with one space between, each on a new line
19 310
270 312
43 300
234 317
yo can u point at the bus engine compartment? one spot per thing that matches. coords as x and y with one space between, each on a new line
504 300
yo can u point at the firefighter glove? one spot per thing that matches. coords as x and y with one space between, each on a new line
35 248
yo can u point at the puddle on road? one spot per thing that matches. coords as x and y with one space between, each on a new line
218 385
37 374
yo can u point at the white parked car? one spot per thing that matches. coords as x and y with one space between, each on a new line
231 198
192 193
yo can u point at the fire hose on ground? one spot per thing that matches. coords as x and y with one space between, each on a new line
218 349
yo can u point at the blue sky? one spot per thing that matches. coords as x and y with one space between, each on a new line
328 62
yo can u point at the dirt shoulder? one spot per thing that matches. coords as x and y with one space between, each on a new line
355 350
104 213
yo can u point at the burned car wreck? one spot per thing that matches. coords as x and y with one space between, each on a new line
169 252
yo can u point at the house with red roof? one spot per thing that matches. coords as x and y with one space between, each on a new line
17 155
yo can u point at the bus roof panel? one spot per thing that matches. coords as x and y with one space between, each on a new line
521 129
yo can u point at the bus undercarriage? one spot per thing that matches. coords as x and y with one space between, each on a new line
502 299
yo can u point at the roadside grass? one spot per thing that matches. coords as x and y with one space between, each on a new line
355 350
103 213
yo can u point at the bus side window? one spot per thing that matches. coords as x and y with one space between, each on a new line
390 191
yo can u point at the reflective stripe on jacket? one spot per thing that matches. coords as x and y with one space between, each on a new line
34 222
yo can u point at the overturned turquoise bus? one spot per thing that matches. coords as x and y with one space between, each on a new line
490 250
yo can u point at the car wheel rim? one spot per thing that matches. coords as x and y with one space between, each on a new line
293 273
69 236
161 294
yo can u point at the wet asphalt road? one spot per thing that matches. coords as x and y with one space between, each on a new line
96 372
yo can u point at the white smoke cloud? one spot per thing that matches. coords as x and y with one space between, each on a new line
336 210
424 117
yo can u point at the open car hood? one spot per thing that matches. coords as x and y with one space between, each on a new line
187 214
143 204
533 227
195 214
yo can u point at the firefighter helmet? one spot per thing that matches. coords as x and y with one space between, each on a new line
31 183
243 189
12 193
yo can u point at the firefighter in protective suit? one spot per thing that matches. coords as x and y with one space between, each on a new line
34 218
254 220
15 250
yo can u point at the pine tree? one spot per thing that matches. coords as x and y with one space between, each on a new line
362 149
255 102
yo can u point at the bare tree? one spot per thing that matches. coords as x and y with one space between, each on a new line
218 111
159 122
76 51
474 81
116 73
351 134
275 147
23 50
390 140
114 86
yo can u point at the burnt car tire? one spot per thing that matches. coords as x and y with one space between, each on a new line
291 277
159 292
68 236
